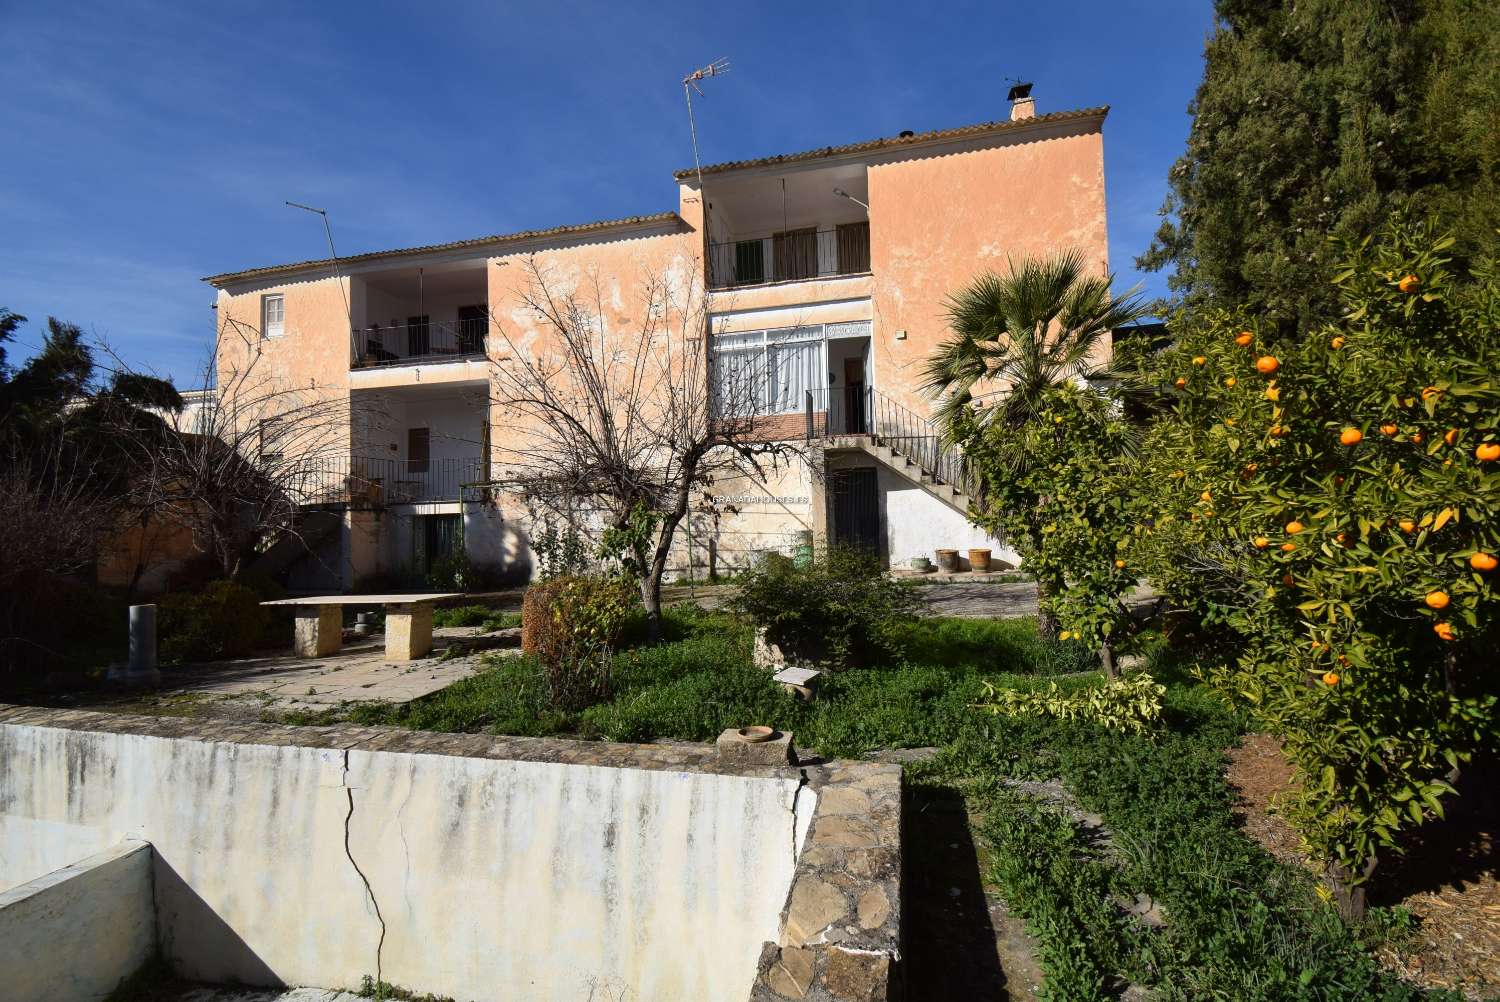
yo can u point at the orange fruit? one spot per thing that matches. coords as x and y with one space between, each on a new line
1288 580
1277 431
1487 452
1261 542
1443 630
1288 547
1407 525
1293 527
1416 438
1267 364
1450 436
1351 436
1244 339
1483 562
1120 564
1199 360
1437 600
1409 284
1340 539
1337 342
1207 495
1331 678
1389 429
1179 382
1230 381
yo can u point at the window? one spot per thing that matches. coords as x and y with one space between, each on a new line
417 442
270 440
768 372
854 248
272 316
794 254
749 263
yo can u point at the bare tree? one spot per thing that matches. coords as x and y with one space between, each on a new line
625 424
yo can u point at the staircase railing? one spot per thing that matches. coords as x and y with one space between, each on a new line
854 410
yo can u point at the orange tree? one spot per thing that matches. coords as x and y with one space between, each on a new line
1332 500
1058 486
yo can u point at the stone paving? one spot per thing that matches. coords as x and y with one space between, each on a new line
360 672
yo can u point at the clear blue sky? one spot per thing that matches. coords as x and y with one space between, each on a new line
150 144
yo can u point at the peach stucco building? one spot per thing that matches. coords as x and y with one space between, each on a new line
827 270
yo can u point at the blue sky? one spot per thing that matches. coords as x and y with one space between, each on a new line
150 144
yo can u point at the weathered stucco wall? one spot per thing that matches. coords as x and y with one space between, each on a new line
73 934
501 868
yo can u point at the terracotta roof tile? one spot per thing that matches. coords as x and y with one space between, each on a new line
964 131
505 238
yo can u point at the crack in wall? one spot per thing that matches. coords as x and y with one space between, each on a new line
380 946
796 797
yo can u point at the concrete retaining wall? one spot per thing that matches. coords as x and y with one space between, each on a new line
73 934
476 867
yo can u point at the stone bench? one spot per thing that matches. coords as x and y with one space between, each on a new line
319 628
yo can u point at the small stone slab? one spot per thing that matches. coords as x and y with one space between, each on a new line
796 676
736 751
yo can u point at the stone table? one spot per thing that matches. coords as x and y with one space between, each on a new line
319 629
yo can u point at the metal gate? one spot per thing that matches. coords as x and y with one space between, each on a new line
856 508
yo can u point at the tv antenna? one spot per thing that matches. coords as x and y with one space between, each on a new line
717 68
333 258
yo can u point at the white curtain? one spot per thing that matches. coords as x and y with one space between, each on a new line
739 382
796 368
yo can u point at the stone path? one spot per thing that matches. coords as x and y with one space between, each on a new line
359 672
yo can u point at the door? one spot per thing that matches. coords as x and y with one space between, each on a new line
854 396
440 536
472 324
856 509
794 254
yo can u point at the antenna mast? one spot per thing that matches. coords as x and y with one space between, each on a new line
333 257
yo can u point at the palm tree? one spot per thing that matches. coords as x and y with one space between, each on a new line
1039 326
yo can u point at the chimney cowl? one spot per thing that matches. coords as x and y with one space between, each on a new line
1022 104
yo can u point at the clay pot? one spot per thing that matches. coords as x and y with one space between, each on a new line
979 560
921 564
947 560
755 735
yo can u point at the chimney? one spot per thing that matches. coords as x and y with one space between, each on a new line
1022 105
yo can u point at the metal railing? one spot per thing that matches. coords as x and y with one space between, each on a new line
373 482
790 257
425 343
858 410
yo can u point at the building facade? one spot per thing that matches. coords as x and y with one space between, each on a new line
825 273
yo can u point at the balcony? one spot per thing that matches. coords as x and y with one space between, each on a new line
421 342
791 256
375 482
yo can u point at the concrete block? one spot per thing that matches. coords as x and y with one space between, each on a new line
319 631
734 750
408 631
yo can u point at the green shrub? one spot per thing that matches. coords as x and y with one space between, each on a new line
839 608
1132 704
572 626
223 619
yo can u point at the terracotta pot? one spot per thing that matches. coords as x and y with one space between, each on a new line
947 560
755 735
979 560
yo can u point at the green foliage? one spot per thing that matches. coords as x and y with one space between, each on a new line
572 626
223 619
475 615
1131 704
559 549
1328 514
840 607
1068 507
1319 117
628 543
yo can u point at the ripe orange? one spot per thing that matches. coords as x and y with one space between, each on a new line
1230 381
1277 431
1261 542
1487 452
1389 429
1416 438
1267 364
1450 436
1409 284
1199 360
1207 495
1443 630
1244 339
1483 562
1351 436
1120 564
1337 342
1293 527
1437 600
1288 547
1179 382
1407 525
1331 678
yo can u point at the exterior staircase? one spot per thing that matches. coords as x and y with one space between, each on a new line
863 418
310 528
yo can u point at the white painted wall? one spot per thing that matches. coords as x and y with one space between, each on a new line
496 879
73 934
918 524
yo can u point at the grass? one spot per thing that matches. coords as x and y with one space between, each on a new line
1239 925
475 615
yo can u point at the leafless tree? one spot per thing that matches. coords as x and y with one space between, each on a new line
240 468
627 423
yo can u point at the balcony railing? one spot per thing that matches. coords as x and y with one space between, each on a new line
373 482
796 255
424 343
